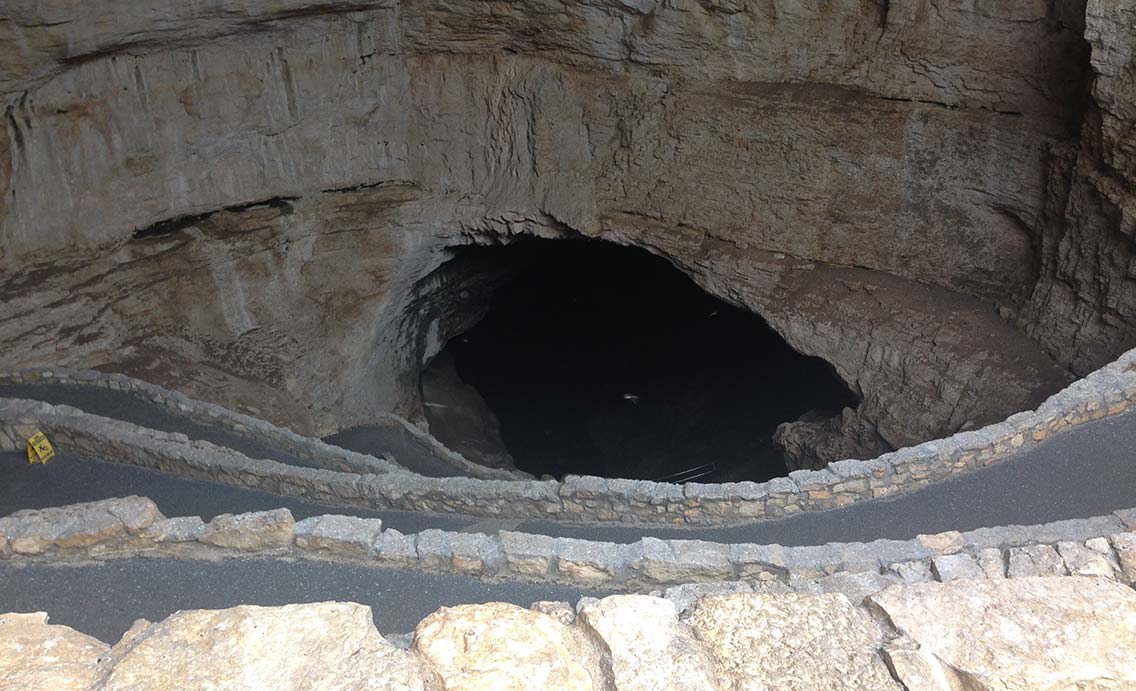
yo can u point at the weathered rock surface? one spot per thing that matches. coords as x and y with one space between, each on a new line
650 650
1031 633
499 647
251 531
322 646
38 655
267 234
34 531
790 641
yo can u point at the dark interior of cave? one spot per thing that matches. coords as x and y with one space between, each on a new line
598 359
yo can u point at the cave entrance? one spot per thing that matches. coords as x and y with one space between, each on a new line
597 359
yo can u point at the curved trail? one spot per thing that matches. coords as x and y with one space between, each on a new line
1081 472
123 405
104 599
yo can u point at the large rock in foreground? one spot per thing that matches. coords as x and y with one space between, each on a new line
500 647
792 642
648 647
37 655
325 646
1017 634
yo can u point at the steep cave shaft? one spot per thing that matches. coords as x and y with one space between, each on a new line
605 360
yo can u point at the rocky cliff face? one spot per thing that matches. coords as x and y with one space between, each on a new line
251 201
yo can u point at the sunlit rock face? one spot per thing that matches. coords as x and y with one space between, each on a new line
255 202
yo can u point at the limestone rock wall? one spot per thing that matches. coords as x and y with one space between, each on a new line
1083 307
622 643
251 201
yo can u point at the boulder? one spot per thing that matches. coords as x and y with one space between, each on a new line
650 650
325 646
1019 634
790 641
38 655
500 647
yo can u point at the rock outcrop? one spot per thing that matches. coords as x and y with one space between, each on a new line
326 645
1040 633
1030 633
252 203
790 641
499 646
38 655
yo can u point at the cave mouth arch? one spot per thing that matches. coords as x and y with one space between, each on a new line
591 358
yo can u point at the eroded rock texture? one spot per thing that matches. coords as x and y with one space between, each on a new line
251 201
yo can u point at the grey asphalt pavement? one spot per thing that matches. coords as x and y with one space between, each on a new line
104 599
373 440
1086 471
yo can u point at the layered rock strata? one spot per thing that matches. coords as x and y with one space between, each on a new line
254 203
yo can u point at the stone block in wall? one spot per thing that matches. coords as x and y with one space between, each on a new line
915 571
475 553
587 561
392 548
1035 560
35 531
1083 560
333 534
759 562
947 542
1127 518
528 555
180 529
992 561
435 551
673 561
955 567
254 531
1125 546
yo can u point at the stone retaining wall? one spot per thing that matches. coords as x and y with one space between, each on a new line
1104 546
898 640
1108 391
261 431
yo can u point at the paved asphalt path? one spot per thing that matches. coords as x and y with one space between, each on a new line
1086 471
122 405
104 599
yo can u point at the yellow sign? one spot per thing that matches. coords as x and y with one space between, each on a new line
39 449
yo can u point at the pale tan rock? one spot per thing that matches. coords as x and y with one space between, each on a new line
1125 546
323 646
251 531
943 543
1022 634
34 531
499 647
790 641
650 650
36 655
918 670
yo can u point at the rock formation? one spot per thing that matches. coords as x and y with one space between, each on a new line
1034 633
254 201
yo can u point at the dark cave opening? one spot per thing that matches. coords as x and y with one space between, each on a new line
597 359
